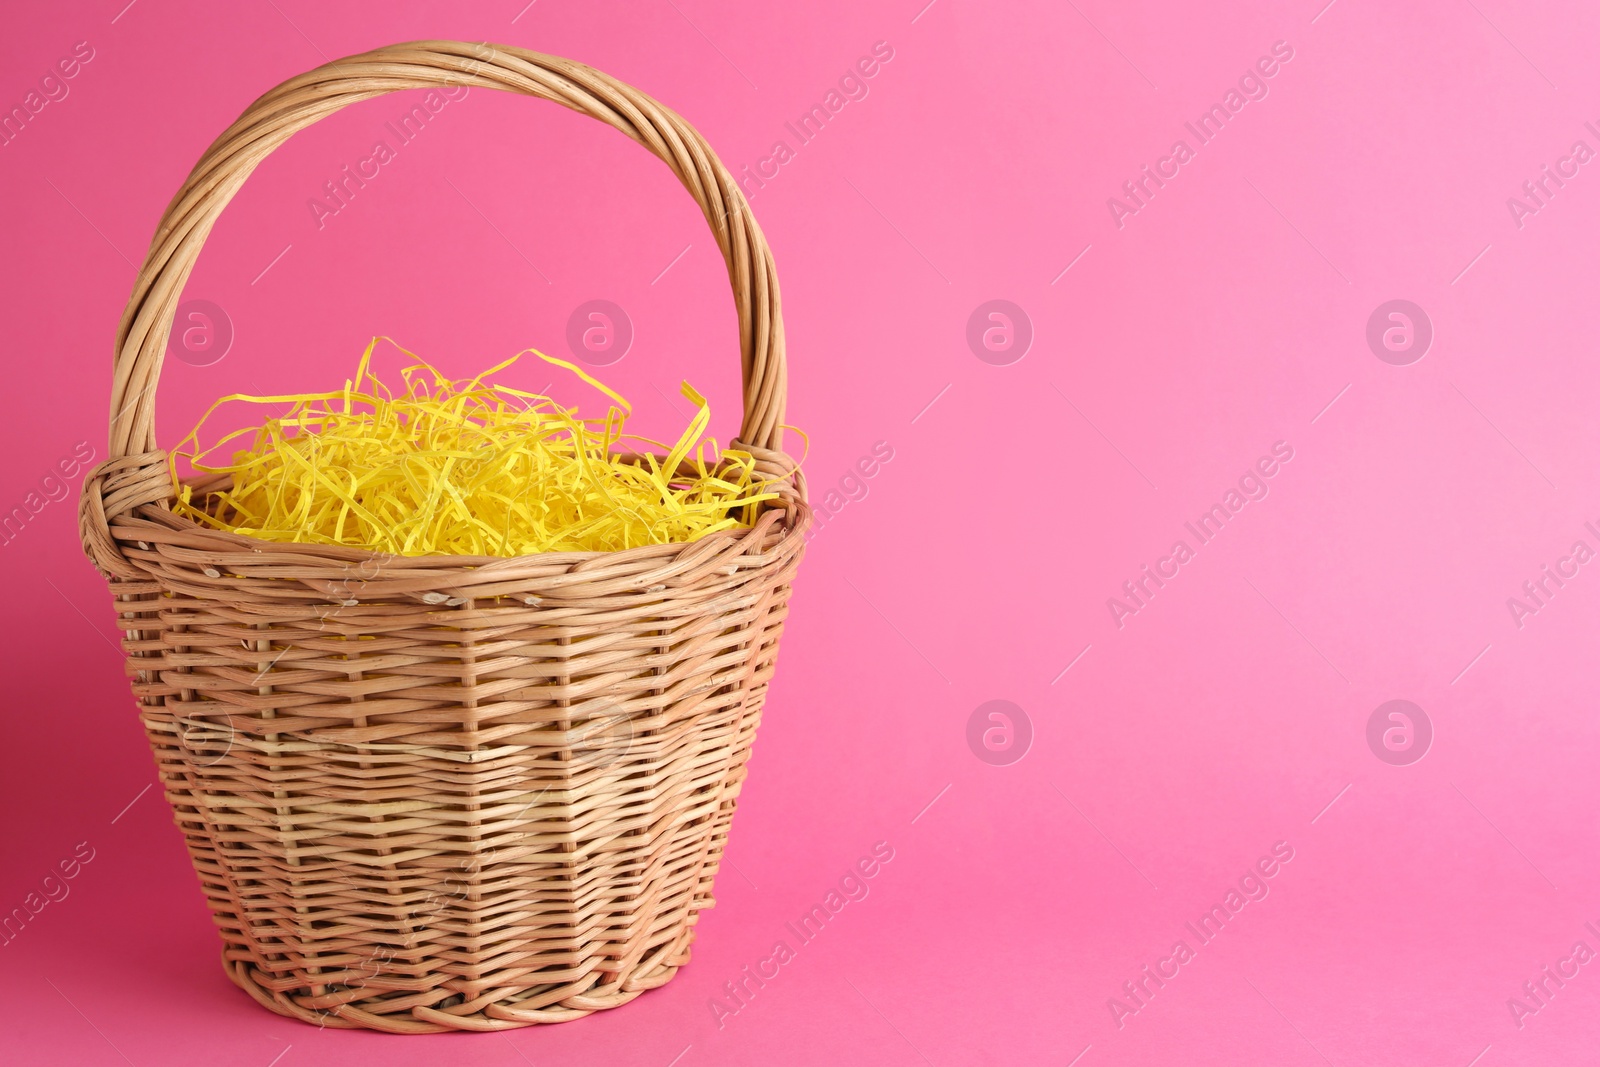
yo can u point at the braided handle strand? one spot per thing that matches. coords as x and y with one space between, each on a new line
299 102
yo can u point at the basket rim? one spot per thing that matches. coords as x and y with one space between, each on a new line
789 490
796 509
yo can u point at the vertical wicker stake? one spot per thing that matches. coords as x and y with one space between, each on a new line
456 793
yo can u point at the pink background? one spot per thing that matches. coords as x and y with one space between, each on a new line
1228 314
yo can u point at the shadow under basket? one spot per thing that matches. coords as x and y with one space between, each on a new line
447 793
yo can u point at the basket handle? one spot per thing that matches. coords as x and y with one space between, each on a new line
299 102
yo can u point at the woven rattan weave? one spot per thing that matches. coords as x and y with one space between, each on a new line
446 793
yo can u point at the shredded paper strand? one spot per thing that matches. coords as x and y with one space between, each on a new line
467 467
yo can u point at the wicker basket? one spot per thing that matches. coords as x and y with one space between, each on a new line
446 793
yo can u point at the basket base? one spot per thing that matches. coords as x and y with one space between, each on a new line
409 1016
